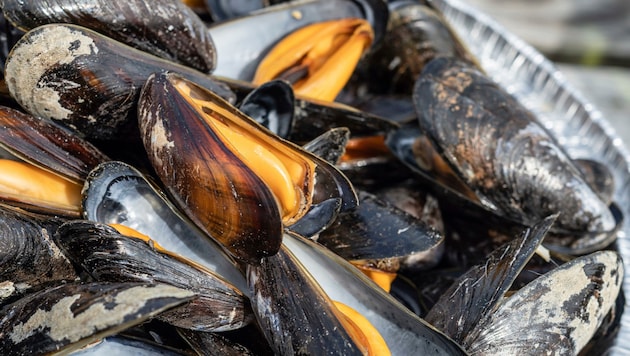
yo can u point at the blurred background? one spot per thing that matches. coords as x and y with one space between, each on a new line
589 41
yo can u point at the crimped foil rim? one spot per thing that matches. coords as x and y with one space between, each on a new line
579 127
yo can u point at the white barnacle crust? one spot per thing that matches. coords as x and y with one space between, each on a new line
110 314
6 289
556 314
37 52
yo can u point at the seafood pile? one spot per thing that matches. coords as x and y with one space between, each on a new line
356 178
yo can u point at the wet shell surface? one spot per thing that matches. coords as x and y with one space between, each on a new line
167 29
500 150
45 322
85 80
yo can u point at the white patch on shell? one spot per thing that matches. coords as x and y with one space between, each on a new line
544 301
29 61
64 324
159 139
6 289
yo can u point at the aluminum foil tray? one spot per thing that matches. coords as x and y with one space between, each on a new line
540 86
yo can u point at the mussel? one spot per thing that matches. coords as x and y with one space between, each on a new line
403 331
110 256
501 152
167 29
240 61
236 181
85 80
69 316
116 193
29 259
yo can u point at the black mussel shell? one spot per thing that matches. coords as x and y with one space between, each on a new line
29 259
498 148
109 256
312 118
227 192
167 29
329 146
116 193
213 344
70 316
404 332
378 230
241 49
482 288
102 79
48 145
416 35
271 105
557 313
296 323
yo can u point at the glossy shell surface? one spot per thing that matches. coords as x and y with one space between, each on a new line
579 127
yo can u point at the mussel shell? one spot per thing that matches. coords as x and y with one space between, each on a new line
520 172
558 312
416 34
167 29
478 292
378 230
29 259
329 146
404 332
70 316
296 323
312 118
119 345
213 344
220 194
109 256
241 49
48 145
116 193
102 79
211 184
271 105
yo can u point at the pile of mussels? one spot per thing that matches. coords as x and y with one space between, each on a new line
311 177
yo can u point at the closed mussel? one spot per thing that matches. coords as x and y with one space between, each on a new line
167 29
233 178
503 154
101 79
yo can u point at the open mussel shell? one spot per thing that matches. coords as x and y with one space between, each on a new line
296 323
47 145
312 117
29 259
271 105
240 199
117 193
109 256
378 230
241 49
476 293
404 332
69 316
329 146
558 311
103 78
167 29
